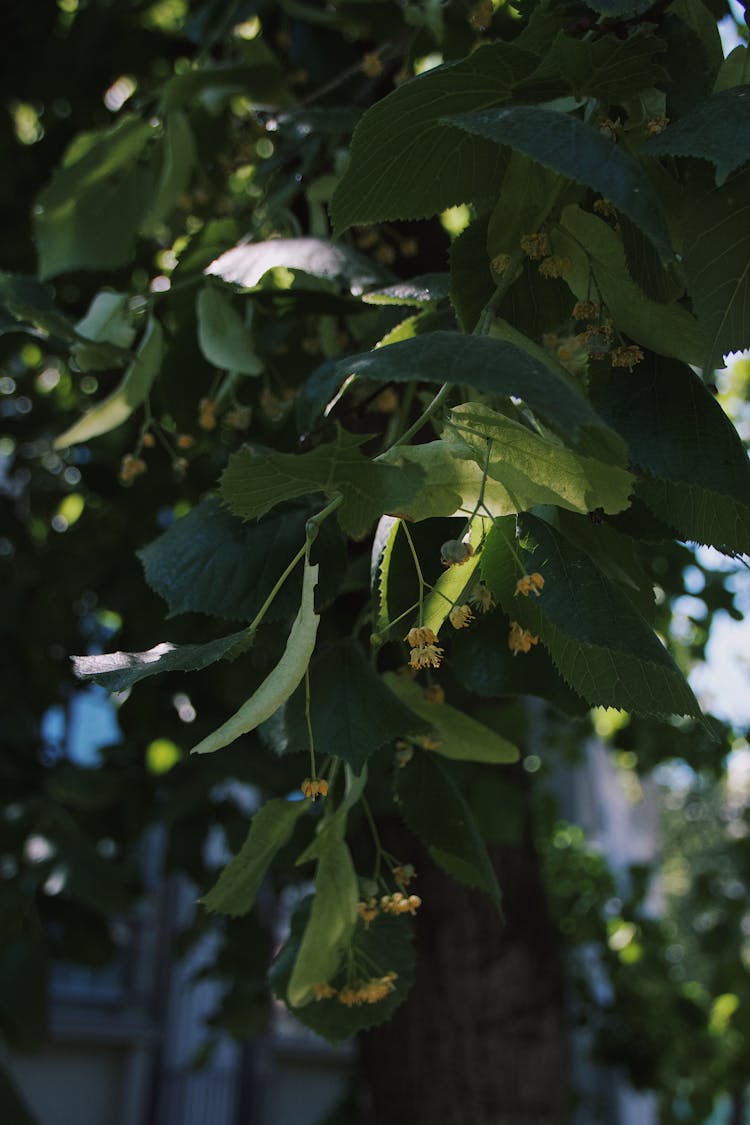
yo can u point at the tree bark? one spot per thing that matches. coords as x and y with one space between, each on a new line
481 1039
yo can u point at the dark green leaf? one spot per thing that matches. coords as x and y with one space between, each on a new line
529 192
210 562
697 472
580 152
734 71
352 712
644 265
435 810
600 644
255 480
386 946
117 671
487 365
30 303
178 158
406 163
471 278
427 289
89 214
618 7
107 330
717 129
225 340
131 392
598 269
717 265
459 735
271 828
609 68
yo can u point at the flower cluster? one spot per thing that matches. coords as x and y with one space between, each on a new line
482 599
399 903
367 909
130 468
535 246
626 356
529 584
460 616
584 310
368 991
554 266
404 753
656 125
207 414
313 788
607 209
371 65
425 652
500 263
404 874
519 639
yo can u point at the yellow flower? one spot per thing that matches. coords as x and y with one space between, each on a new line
404 875
367 910
426 656
460 616
371 65
529 584
606 208
207 414
584 310
500 263
323 991
314 789
420 636
428 743
656 125
482 599
554 266
520 640
404 753
130 468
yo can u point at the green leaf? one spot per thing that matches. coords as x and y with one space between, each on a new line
426 289
644 265
717 129
406 162
334 824
281 681
255 480
529 192
271 827
433 807
385 945
459 735
717 265
352 713
332 920
25 301
734 71
107 331
210 562
598 263
609 68
453 584
117 671
247 263
472 284
178 158
538 470
225 340
580 152
487 365
484 665
89 214
599 643
697 475
134 389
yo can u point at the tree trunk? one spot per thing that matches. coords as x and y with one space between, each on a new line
481 1040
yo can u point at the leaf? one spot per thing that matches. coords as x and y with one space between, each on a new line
271 827
281 681
697 476
107 332
386 946
210 562
484 665
433 807
352 712
537 470
717 266
717 129
472 284
30 303
487 365
134 389
224 339
89 214
597 262
609 68
599 643
580 152
644 265
178 158
459 736
118 671
453 583
332 920
734 71
334 824
406 162
529 192
246 263
618 7
255 480
427 289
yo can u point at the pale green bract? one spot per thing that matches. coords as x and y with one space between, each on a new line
281 682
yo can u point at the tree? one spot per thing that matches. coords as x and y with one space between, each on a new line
391 491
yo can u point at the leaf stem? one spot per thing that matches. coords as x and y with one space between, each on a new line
375 836
311 740
418 568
